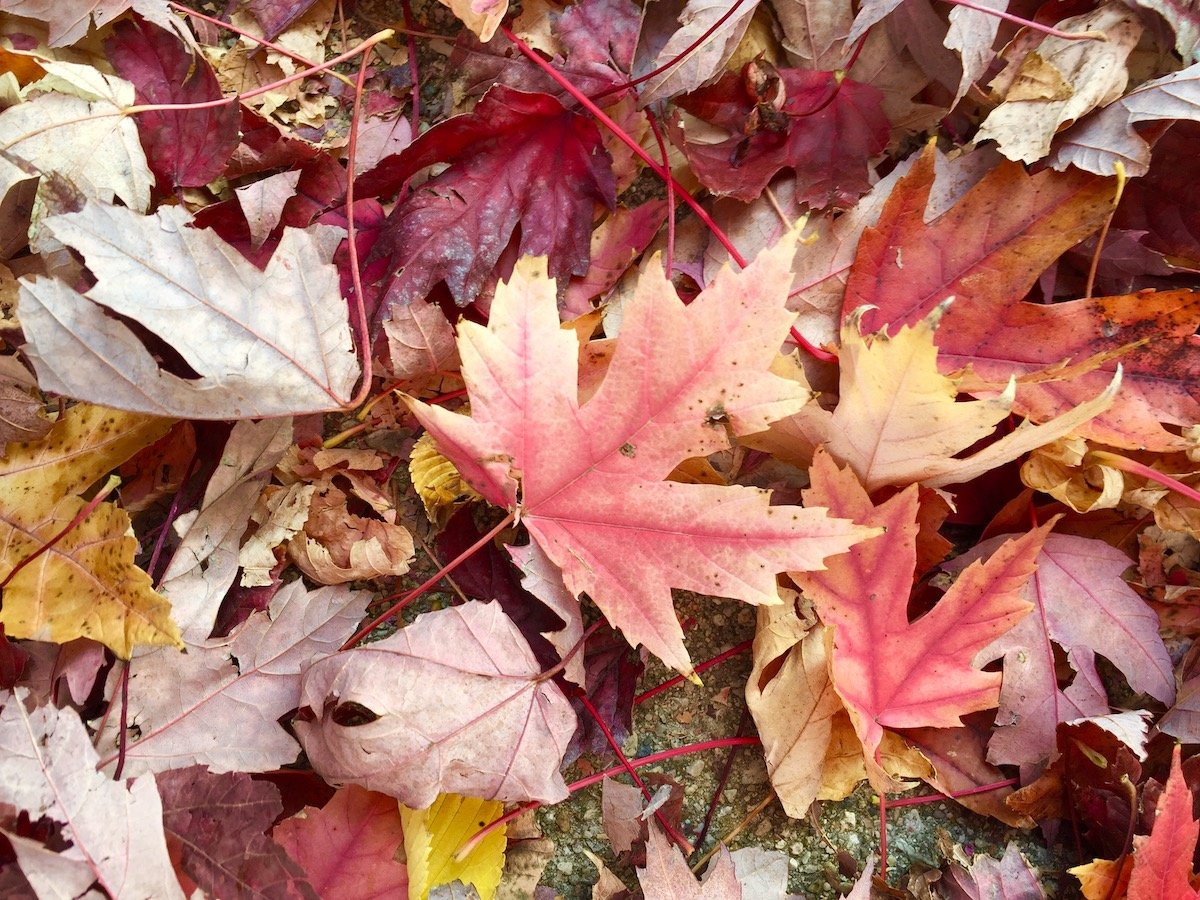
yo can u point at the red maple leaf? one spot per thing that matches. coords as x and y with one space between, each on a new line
823 126
518 159
888 671
185 147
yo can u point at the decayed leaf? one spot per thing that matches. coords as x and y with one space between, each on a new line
590 476
1086 608
262 343
667 874
219 703
75 130
1086 73
348 846
217 825
48 768
897 420
87 584
890 672
503 737
433 836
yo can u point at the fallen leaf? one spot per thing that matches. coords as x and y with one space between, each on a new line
689 70
667 875
793 702
73 127
185 147
87 584
590 483
263 202
348 846
70 21
433 836
815 32
205 562
1086 608
1009 876
1092 74
218 824
48 768
420 342
898 420
519 158
823 126
219 703
888 671
260 343
972 33
1101 141
503 738
988 248
1162 865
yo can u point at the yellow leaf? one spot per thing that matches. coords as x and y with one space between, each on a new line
87 584
432 838
438 484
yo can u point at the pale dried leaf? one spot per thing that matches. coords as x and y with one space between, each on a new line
1093 71
206 560
704 62
502 738
48 768
420 341
267 343
202 707
84 139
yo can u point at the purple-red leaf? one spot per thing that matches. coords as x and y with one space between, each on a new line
185 147
518 160
219 824
824 127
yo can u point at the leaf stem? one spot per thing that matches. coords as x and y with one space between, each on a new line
969 792
1125 464
360 302
426 585
1119 168
704 666
588 781
671 831
1034 26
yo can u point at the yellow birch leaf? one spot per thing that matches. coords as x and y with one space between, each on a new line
87 584
432 837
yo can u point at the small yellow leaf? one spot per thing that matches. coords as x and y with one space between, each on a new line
438 484
87 584
432 838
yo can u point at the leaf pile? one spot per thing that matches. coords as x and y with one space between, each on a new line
880 318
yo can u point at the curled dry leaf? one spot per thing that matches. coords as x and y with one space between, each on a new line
377 715
267 343
1061 81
